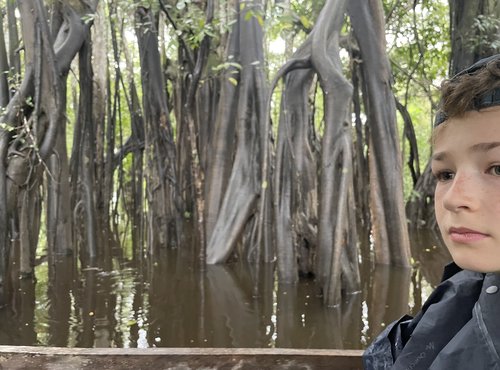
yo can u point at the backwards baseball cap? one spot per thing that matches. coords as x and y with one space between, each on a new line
489 99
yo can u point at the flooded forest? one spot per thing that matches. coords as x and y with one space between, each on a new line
240 173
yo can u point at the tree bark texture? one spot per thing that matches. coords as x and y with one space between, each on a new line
238 205
193 130
467 47
368 24
35 115
335 250
86 166
161 189
296 188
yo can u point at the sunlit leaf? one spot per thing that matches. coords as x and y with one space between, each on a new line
260 20
305 22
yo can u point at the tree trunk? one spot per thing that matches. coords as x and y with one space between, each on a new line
161 181
295 183
218 166
104 124
36 125
368 24
468 42
87 168
59 217
239 203
14 57
192 127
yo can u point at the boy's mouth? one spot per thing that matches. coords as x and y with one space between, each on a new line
465 235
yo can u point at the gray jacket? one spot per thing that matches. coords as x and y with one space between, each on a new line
458 328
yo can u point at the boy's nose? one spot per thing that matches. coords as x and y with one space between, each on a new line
462 194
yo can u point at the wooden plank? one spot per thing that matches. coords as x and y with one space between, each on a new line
54 358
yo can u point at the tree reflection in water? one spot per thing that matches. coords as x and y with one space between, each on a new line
173 304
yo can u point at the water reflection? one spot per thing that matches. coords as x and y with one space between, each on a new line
430 255
387 297
233 315
59 301
303 322
23 312
172 304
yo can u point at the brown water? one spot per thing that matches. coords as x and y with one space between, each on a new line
171 304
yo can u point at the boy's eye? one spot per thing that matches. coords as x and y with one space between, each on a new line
495 170
448 175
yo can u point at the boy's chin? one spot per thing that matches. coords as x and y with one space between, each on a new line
477 267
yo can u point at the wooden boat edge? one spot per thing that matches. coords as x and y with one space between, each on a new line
39 350
34 357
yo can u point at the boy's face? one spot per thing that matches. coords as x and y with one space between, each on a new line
466 162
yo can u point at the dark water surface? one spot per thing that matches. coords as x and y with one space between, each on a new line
171 304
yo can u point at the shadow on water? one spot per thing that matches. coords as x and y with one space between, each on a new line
170 303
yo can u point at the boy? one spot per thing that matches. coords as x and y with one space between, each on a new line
459 326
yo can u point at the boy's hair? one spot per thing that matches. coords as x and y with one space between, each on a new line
475 88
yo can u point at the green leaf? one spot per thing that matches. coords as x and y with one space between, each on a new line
226 66
6 127
260 20
88 18
233 80
305 22
248 16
